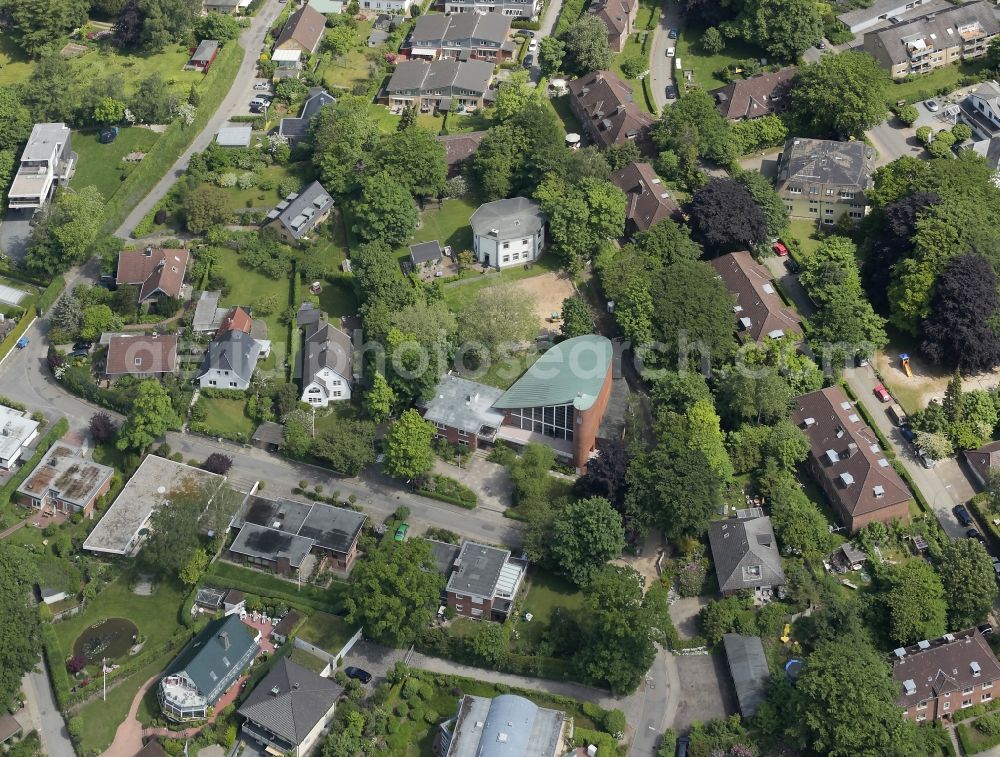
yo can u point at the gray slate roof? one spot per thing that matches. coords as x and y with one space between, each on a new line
234 351
206 49
463 404
300 211
437 27
738 547
748 667
210 665
937 31
471 75
515 217
827 162
326 526
302 700
425 252
324 345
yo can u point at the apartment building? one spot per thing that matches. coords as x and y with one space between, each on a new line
822 179
47 161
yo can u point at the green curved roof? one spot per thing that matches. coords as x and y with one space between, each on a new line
571 372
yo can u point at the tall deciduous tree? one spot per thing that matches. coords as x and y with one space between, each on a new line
204 207
506 304
15 118
408 452
19 637
577 320
725 216
394 592
841 95
581 215
914 596
386 211
150 416
587 46
763 194
696 121
585 535
343 134
43 24
785 28
959 331
416 158
969 581
379 398
551 52
348 447
67 231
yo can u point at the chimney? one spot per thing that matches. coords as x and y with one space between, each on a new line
149 251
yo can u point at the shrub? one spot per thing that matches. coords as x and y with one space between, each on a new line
402 710
227 179
989 724
247 179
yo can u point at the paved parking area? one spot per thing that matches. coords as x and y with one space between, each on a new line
374 658
489 481
706 691
684 613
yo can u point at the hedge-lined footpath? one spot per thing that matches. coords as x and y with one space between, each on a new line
51 436
174 140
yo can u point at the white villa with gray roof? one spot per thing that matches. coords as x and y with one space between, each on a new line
508 232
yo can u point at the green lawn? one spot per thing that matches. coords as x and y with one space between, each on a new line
328 632
156 616
103 61
247 286
546 594
946 78
460 293
102 718
226 416
633 48
255 197
448 224
803 230
457 123
101 165
352 68
704 66
267 585
307 660
339 297
562 108
15 66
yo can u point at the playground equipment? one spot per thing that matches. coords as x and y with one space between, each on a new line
905 358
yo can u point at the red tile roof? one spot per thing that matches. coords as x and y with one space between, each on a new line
155 269
945 666
606 104
236 319
141 354
647 200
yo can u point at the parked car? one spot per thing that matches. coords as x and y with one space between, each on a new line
401 532
791 265
529 61
671 52
973 533
670 91
932 106
357 674
962 513
907 432
779 249
672 34
882 393
682 746
986 629
821 45
524 33
83 345
926 460
533 46
256 108
261 85
860 360
896 414
79 353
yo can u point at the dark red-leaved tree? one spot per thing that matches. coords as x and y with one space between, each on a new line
725 217
218 463
102 428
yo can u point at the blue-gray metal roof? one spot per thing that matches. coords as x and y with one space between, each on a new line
217 656
570 373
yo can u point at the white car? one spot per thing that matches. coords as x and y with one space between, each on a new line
533 46
671 52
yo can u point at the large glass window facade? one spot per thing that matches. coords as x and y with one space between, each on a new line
554 420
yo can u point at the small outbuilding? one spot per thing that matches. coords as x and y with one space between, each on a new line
203 56
425 252
235 135
748 667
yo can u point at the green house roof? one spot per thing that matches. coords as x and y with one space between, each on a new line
571 372
217 656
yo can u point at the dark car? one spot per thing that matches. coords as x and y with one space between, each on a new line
791 265
672 34
973 533
985 629
529 61
670 91
962 513
907 433
256 108
682 746
821 45
85 346
79 353
525 33
358 674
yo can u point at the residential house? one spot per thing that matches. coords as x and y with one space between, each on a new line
619 16
377 37
297 215
847 462
203 56
505 725
756 97
513 8
328 365
66 482
647 201
458 148
462 36
760 312
980 110
234 135
859 20
822 180
440 85
483 582
9 728
288 710
388 22
230 361
297 129
388 6
983 460
303 31
286 627
205 669
327 6
749 670
158 272
935 40
17 431
941 676
287 64
508 232
462 411
604 105
745 554
141 355
284 536
48 160
154 483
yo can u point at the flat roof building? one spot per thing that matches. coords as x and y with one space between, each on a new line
505 726
748 668
152 485
17 431
66 481
482 580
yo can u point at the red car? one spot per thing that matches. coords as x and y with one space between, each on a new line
780 249
882 394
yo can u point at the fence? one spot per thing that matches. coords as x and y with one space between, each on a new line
324 655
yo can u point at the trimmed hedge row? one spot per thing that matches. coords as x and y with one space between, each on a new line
51 436
965 738
444 498
292 599
50 294
647 93
22 325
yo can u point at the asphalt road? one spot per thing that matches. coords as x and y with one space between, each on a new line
15 230
252 42
661 66
45 715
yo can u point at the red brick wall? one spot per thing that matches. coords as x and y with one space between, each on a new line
466 604
935 706
587 424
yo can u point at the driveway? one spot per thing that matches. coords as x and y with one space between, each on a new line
15 231
45 715
490 481
684 613
252 42
705 691
661 67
